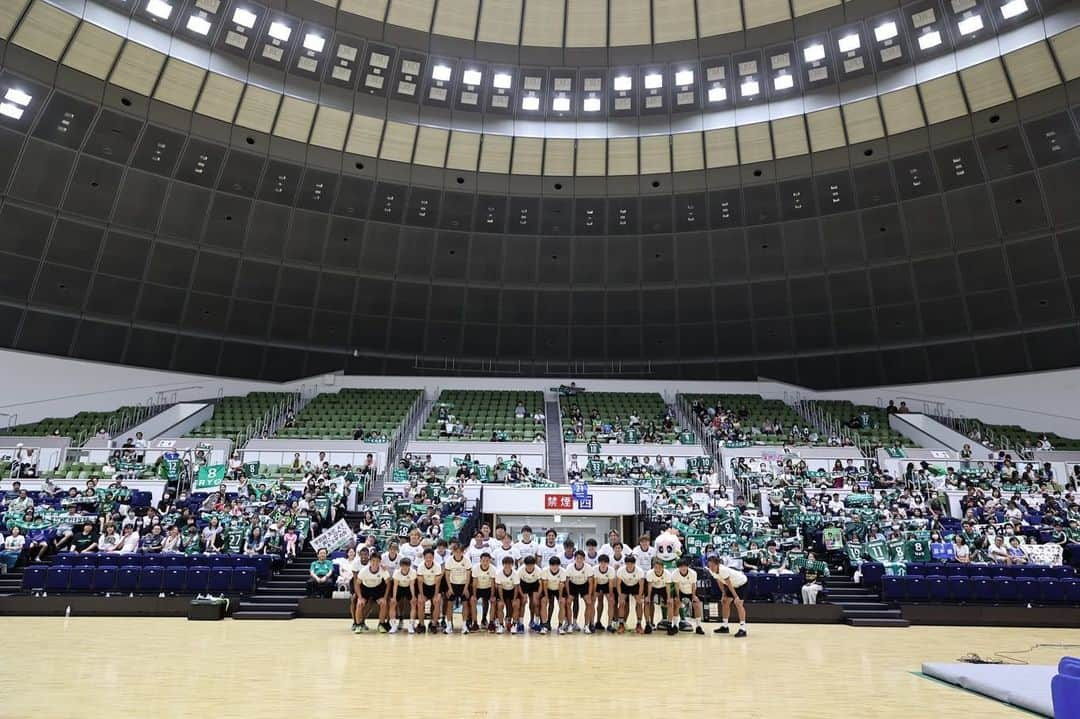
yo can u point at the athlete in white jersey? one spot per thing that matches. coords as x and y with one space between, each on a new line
657 594
526 546
618 556
604 592
554 595
508 597
403 599
371 585
684 581
630 590
504 549
391 557
477 548
549 548
730 581
430 573
579 582
413 550
591 555
483 582
458 572
608 547
529 576
644 553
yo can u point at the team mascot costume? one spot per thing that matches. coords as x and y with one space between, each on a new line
668 550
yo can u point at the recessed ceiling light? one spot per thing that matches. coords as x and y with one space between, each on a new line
8 109
813 53
1013 8
472 77
970 24
198 25
885 31
244 17
849 43
441 73
653 81
280 31
159 8
18 97
314 42
929 40
684 78
591 104
622 83
502 80
783 82
717 94
561 104
749 88
530 102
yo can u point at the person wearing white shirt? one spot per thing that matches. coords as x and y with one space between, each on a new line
430 573
729 581
529 576
629 590
11 549
526 546
458 572
658 594
391 557
684 581
347 566
553 596
566 557
549 548
603 592
608 547
644 552
442 552
579 583
483 582
618 557
477 548
403 582
413 550
503 550
508 597
371 582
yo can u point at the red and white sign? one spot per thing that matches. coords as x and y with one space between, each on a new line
558 501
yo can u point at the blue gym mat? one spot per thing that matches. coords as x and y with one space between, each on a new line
1025 686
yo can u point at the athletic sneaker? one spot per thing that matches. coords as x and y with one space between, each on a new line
672 631
574 627
563 629
393 630
465 628
432 628
357 629
588 629
420 628
499 629
410 629
721 630
517 629
543 630
474 627
383 629
648 629
637 629
699 630
534 626
491 626
598 627
740 633
354 626
447 630
611 628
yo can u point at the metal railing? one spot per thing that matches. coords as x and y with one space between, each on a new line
685 414
826 425
401 436
271 421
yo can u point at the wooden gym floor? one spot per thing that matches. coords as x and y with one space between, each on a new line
94 667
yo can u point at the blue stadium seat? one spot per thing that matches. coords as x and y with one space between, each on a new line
1006 589
83 560
892 588
127 578
916 569
56 579
68 558
174 560
791 583
915 589
111 560
962 570
1072 590
243 580
104 579
1062 571
937 588
264 564
151 578
219 560
994 570
33 579
959 588
1027 589
1052 590
175 580
767 585
197 577
134 560
982 588
872 573
220 579
82 579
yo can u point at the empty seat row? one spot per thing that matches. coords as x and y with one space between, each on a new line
149 579
955 569
262 563
761 585
939 588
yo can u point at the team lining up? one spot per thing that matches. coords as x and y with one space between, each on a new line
495 585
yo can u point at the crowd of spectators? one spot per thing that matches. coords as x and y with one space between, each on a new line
730 425
618 429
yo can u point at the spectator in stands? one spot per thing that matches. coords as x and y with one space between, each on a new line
963 552
153 542
999 553
519 410
347 567
109 540
102 434
320 577
212 539
903 408
86 539
11 549
21 503
129 540
1016 552
811 586
255 543
173 542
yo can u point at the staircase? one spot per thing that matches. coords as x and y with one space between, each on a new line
862 607
556 469
11 583
278 597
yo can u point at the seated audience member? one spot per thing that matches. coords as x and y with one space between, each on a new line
999 553
153 542
347 567
811 588
129 541
109 540
86 540
963 552
320 577
11 549
1016 552
173 542
255 542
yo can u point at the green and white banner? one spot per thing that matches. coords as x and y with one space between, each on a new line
335 537
209 477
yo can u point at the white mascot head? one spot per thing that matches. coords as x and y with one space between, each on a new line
668 547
